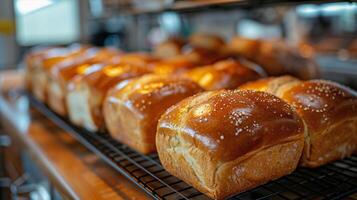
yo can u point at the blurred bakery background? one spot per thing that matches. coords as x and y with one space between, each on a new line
324 30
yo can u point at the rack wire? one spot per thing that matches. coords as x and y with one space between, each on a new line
337 180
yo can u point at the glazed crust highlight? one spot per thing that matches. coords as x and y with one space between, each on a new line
225 142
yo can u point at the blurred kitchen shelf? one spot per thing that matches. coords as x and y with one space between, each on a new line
341 70
202 5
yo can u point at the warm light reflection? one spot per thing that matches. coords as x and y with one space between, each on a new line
113 71
82 68
202 110
163 69
206 79
150 87
93 68
205 140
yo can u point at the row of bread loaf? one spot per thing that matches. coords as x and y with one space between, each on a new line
177 55
60 75
228 141
274 56
221 141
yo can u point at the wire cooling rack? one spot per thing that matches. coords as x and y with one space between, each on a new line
337 180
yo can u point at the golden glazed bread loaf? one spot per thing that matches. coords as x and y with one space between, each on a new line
329 111
201 49
138 59
206 41
275 57
227 74
169 48
268 54
59 76
202 56
226 142
50 59
86 93
206 49
245 47
32 61
174 65
133 108
37 75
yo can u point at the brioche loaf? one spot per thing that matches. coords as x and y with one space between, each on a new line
132 109
138 59
275 56
201 56
174 65
206 41
32 60
245 47
60 76
329 111
86 93
227 74
225 142
47 61
170 48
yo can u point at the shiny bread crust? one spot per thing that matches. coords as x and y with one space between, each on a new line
60 76
227 74
329 111
226 142
132 109
91 89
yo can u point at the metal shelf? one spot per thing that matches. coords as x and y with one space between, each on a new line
332 181
202 5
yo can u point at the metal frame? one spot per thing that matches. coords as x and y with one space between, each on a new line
332 181
194 6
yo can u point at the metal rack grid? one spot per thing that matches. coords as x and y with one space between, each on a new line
333 181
